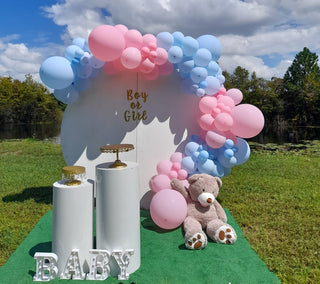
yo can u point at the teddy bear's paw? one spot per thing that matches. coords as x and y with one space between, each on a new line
197 241
226 235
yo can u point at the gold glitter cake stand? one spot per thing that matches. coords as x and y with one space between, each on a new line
116 148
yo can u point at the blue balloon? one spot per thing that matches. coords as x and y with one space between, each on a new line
190 148
213 85
96 63
186 66
56 72
228 153
175 54
165 40
85 59
198 74
243 151
212 44
213 68
188 165
221 79
178 38
82 71
67 96
73 53
207 167
200 92
202 57
79 41
189 46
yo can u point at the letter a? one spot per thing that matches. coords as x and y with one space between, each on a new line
73 267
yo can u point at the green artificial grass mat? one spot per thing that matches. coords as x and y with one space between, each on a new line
164 258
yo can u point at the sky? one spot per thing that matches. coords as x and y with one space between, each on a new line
261 36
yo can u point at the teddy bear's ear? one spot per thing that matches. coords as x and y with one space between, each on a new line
219 181
193 178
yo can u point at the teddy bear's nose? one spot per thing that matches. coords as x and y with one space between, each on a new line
209 200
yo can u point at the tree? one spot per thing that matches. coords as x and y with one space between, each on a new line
301 90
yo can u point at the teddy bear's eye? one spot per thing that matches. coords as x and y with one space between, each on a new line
203 190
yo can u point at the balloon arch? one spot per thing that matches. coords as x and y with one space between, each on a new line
223 120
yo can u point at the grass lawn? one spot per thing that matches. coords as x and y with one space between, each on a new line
274 197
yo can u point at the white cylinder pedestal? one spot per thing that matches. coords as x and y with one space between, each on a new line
72 222
118 212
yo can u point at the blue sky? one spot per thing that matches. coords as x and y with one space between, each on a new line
261 36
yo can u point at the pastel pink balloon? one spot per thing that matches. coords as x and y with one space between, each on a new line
106 43
164 167
173 174
215 138
222 91
150 41
176 157
248 121
225 103
207 104
182 174
223 121
131 57
235 94
159 182
133 39
166 69
109 68
162 56
206 122
146 66
153 74
118 64
168 209
122 28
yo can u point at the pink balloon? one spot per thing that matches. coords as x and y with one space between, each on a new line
176 157
173 174
118 64
182 174
207 104
164 167
131 57
109 68
235 94
149 41
122 28
168 209
166 69
225 103
146 66
162 56
159 182
206 122
223 121
153 74
215 139
248 121
222 91
106 43
133 39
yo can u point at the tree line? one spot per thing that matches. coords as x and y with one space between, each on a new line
289 104
27 102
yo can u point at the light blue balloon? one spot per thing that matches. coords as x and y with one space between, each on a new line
73 53
228 153
56 72
85 59
189 46
212 44
213 68
203 156
228 144
165 40
213 85
190 148
202 57
218 170
186 66
175 54
203 85
79 41
198 74
178 38
207 167
188 165
82 71
67 96
243 151
200 92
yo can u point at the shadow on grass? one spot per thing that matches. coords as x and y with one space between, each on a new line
39 194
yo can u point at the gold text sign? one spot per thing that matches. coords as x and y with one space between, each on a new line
137 100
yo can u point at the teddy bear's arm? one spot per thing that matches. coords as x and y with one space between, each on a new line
220 212
178 186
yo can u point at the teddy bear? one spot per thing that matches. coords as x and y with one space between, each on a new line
204 212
